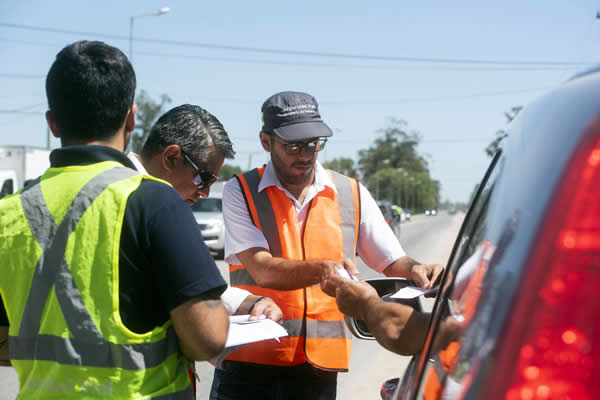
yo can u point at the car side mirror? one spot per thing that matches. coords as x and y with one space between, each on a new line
385 287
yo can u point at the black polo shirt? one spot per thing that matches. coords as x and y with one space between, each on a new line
163 260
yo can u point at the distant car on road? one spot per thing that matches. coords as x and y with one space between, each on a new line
391 217
406 214
523 276
209 216
431 212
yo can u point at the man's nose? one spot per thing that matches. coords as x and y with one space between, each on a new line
305 152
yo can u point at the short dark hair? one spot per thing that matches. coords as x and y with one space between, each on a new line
90 88
193 129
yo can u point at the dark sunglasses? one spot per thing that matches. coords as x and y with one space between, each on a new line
202 178
294 148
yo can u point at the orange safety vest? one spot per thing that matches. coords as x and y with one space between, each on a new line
315 326
466 306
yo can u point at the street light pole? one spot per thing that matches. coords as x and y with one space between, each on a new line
155 13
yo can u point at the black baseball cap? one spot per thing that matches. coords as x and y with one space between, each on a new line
293 116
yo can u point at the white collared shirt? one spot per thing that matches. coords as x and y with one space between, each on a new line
232 297
377 246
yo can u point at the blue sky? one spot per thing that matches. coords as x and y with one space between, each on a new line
350 60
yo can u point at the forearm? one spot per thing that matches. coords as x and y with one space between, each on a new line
279 273
199 340
396 327
284 274
400 268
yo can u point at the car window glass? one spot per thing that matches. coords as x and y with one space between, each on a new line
208 205
460 292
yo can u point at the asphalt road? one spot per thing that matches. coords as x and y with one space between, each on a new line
426 239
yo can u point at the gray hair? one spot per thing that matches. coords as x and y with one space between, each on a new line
193 129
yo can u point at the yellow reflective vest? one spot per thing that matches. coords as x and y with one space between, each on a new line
59 246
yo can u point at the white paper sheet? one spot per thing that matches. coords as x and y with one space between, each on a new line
242 331
341 271
410 292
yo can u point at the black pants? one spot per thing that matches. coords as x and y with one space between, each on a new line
238 380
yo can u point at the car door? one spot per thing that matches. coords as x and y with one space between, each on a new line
437 373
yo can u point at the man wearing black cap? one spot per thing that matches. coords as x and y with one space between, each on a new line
291 224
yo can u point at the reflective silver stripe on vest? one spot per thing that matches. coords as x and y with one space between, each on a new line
103 354
241 277
266 217
317 329
52 270
345 197
327 329
293 326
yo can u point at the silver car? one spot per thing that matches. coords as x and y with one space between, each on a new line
209 216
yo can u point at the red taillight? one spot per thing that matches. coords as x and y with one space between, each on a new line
387 221
551 346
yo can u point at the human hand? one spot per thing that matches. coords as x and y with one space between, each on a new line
330 278
450 330
269 308
352 297
426 275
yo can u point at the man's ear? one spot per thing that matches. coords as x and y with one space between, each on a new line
265 140
169 158
130 119
52 124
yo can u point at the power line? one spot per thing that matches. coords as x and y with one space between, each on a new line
21 76
327 65
23 108
22 112
333 65
434 60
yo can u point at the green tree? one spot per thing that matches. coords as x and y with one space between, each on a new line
491 149
394 171
228 171
342 165
396 148
148 111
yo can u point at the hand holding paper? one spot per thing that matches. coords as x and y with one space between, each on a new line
243 331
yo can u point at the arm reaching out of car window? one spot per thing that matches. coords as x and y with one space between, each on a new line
424 275
397 327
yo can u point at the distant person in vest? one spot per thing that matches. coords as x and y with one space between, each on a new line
206 145
290 224
95 273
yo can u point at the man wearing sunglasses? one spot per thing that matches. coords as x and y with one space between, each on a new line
291 224
187 147
180 136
